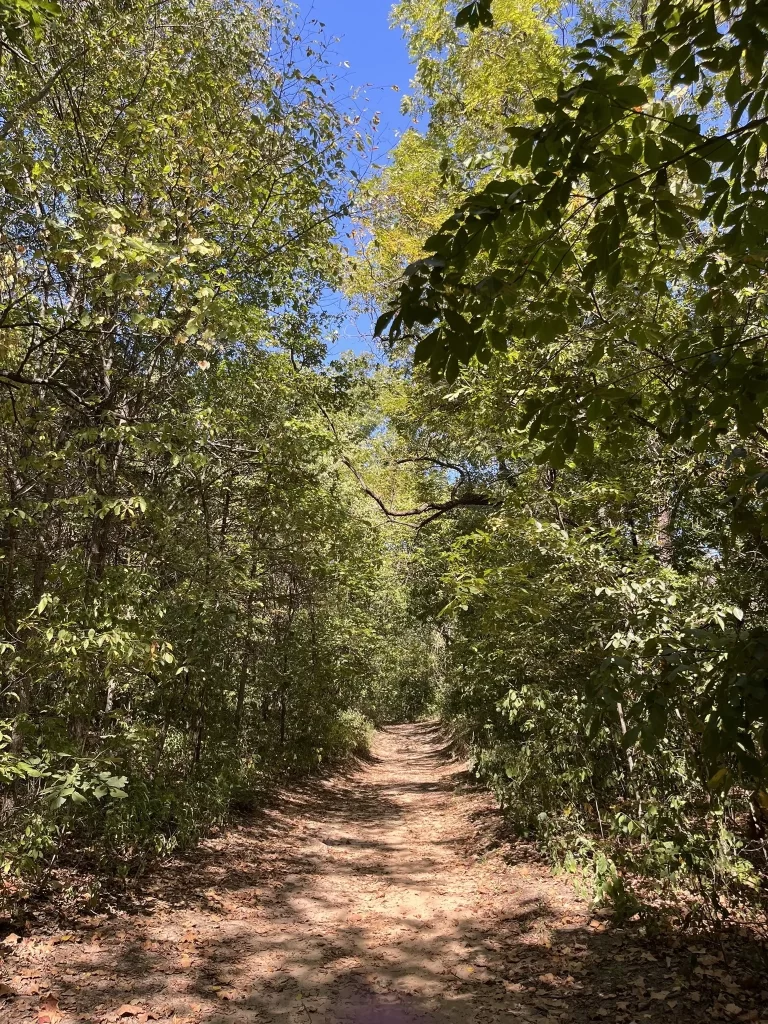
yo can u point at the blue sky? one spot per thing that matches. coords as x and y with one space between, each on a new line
376 54
378 60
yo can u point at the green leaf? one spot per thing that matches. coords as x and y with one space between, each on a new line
383 322
475 14
734 89
698 170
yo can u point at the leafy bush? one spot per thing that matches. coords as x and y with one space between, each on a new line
350 734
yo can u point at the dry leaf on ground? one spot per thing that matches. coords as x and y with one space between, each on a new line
399 923
48 1010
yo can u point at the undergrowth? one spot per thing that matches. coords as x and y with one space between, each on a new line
667 855
112 818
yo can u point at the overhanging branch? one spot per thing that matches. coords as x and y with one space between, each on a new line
469 499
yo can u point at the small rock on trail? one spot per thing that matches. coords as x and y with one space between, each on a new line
380 895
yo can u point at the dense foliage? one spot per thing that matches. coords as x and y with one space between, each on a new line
588 324
196 597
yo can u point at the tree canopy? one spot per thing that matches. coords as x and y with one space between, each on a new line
642 176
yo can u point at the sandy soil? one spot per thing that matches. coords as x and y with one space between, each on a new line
376 896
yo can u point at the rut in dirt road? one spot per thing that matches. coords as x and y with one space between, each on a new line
370 897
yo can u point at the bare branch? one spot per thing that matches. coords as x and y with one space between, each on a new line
31 101
438 508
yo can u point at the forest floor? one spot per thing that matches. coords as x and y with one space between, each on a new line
384 894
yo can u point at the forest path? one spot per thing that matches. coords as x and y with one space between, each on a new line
370 897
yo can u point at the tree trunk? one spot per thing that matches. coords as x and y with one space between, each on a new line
664 532
241 694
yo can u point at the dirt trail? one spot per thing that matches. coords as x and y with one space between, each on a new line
371 897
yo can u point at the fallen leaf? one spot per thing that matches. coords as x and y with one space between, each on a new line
127 1010
732 1009
660 995
186 961
48 1010
11 940
6 990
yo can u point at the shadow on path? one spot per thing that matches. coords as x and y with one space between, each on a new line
362 898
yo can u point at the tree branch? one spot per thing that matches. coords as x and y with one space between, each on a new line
470 499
